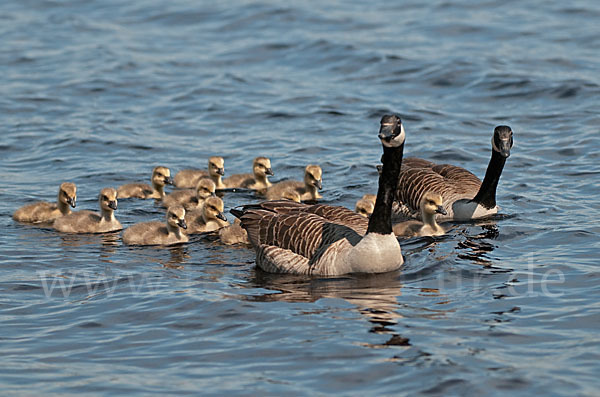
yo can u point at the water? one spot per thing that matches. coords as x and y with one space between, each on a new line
99 92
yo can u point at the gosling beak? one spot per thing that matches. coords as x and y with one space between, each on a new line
182 223
221 171
318 184
221 216
72 201
440 210
112 205
269 171
168 180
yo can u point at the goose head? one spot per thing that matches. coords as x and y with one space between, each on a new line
108 199
205 188
364 207
391 131
313 176
216 166
291 194
67 194
432 204
176 217
161 176
261 167
213 209
502 141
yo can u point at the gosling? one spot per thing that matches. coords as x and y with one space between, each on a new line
430 204
190 178
308 190
207 219
261 168
158 233
44 212
191 199
234 234
161 176
92 222
365 205
290 194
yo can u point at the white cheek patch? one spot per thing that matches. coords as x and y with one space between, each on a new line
494 144
397 141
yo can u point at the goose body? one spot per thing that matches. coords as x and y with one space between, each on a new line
321 239
92 222
308 189
43 211
431 204
257 180
189 178
159 233
465 196
161 176
191 199
208 218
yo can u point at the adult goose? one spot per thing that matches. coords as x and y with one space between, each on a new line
464 195
320 239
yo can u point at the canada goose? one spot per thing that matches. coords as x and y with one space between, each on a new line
210 217
234 234
261 168
159 233
46 212
191 198
307 189
465 196
161 176
189 178
328 240
365 207
92 222
431 204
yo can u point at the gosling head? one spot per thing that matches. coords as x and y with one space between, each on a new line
502 141
67 194
391 131
108 199
161 176
262 167
216 166
370 197
205 189
291 194
313 176
431 204
213 209
364 207
176 217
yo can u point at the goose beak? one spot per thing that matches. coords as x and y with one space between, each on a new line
112 205
72 201
440 210
387 132
221 171
221 216
505 145
182 223
168 180
318 184
269 171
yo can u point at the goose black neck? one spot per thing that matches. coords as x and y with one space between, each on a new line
381 219
487 192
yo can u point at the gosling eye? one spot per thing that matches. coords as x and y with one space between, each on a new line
104 198
159 174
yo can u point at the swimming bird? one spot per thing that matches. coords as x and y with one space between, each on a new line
322 239
307 190
465 196
365 205
234 234
189 178
92 222
159 233
47 212
261 168
161 176
291 194
191 199
207 219
431 204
